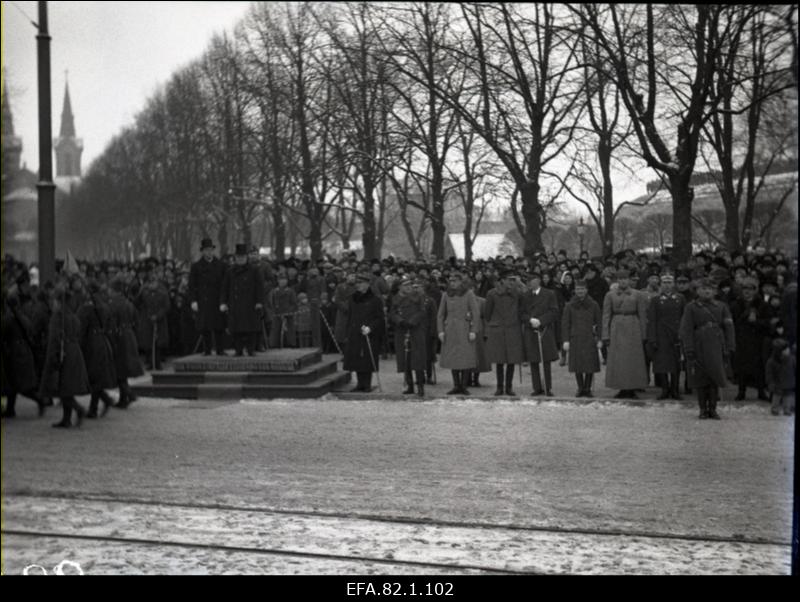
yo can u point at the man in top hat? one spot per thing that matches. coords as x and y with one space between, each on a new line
205 288
539 313
242 299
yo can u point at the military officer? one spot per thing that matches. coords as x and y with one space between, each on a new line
410 317
503 331
663 341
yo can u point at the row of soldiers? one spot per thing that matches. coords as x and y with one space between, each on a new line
87 348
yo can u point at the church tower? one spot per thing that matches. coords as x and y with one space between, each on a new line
12 145
68 148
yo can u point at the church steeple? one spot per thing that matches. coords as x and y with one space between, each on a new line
12 145
67 146
67 119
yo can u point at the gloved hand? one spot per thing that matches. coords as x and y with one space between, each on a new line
195 307
472 336
441 337
223 308
535 323
565 346
365 330
600 344
259 307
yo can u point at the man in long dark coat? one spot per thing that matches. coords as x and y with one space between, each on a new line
341 299
504 331
539 313
707 335
242 298
365 325
95 318
581 324
751 321
152 330
410 318
205 288
19 365
663 341
123 338
64 373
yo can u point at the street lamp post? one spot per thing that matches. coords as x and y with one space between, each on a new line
581 234
45 186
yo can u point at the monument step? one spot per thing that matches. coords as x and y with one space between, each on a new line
273 360
302 376
230 391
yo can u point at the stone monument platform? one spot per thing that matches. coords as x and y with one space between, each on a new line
276 373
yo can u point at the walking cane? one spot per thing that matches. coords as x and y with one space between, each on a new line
264 334
374 367
283 329
155 337
197 344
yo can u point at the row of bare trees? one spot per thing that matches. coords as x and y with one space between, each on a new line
313 121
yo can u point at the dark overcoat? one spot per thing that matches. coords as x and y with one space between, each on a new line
409 316
365 309
544 307
707 334
663 337
341 298
580 326
64 376
483 365
98 353
205 288
152 302
503 327
123 337
242 289
18 359
749 363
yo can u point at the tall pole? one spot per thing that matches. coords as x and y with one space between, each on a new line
46 188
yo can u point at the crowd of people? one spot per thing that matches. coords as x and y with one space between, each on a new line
693 327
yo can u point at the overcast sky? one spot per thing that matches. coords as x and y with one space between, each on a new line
117 54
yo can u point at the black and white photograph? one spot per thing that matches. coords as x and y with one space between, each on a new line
399 293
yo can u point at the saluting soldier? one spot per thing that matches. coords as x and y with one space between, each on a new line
707 334
503 331
663 336
624 331
281 308
19 365
127 362
242 299
538 314
581 324
95 319
459 326
409 315
205 288
365 324
64 373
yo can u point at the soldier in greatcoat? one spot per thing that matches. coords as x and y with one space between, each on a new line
708 338
624 332
205 287
409 316
504 331
581 323
127 362
538 313
663 341
459 327
98 354
365 325
152 330
19 365
432 338
281 310
64 373
242 298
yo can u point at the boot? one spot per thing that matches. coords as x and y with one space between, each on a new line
675 386
93 402
701 401
665 390
548 379
537 379
420 384
107 402
66 415
500 380
409 383
476 379
740 394
464 376
713 397
359 388
456 382
510 380
587 390
581 384
762 395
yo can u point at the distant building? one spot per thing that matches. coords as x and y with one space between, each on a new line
19 193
